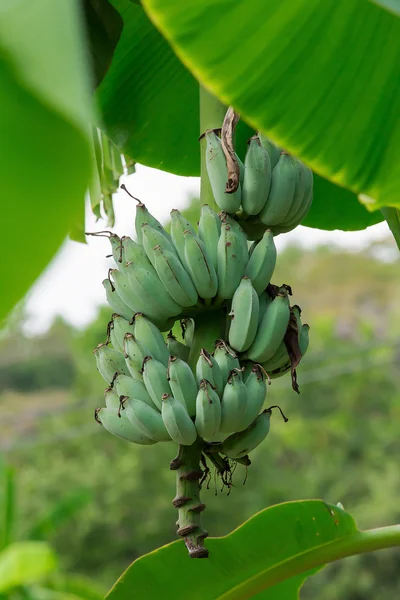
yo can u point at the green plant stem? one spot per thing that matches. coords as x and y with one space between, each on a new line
209 327
392 216
212 113
187 499
364 541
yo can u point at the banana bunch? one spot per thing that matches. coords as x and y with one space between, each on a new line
167 276
275 189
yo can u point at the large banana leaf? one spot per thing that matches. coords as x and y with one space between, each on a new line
44 153
268 557
321 78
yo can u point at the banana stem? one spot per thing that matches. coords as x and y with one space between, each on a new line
212 113
209 327
187 499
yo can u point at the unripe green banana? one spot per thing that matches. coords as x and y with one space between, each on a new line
226 359
272 328
116 247
230 262
153 238
176 348
298 195
151 338
111 397
244 313
218 175
274 151
233 404
177 421
146 418
257 177
179 224
301 213
188 326
283 183
109 362
262 262
264 300
199 266
242 443
133 252
134 353
155 302
208 411
126 386
144 216
118 328
155 380
120 426
280 359
208 368
238 231
173 275
256 386
114 300
182 383
209 232
246 369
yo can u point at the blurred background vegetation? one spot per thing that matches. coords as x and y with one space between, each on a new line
342 441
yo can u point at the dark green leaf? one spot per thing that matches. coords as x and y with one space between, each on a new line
268 557
44 151
321 78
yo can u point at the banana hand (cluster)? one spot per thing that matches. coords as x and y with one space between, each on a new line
208 411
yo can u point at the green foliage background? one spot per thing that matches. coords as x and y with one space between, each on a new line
340 444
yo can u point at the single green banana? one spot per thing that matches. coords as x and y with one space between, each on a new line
305 205
264 300
151 338
230 262
283 183
134 353
155 380
188 326
174 277
209 232
177 421
120 426
109 362
176 348
208 368
182 383
298 195
126 386
242 443
218 175
233 404
262 262
152 294
244 313
256 386
133 252
118 328
115 301
179 224
272 328
146 418
274 151
153 238
200 267
257 177
111 397
239 233
208 411
281 357
144 216
226 358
